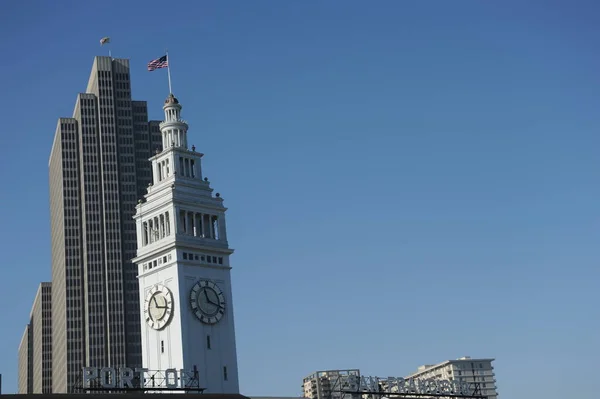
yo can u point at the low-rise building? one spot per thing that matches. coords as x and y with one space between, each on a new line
478 372
330 384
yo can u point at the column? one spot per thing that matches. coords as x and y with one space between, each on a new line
167 224
206 222
222 228
213 227
181 221
191 223
201 224
176 220
157 228
162 226
139 230
154 172
145 233
149 231
196 231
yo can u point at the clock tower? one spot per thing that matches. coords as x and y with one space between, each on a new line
183 264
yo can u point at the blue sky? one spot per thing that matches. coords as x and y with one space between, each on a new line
408 182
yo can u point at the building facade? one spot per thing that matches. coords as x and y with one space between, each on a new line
25 373
98 167
184 268
41 320
329 384
464 369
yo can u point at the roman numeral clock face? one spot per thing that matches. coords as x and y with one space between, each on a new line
158 307
207 301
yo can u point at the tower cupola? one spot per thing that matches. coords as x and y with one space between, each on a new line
173 129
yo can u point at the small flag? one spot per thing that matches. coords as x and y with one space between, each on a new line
158 63
104 40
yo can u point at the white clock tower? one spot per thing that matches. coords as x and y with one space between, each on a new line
183 263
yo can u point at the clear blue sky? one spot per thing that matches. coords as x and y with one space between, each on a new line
408 182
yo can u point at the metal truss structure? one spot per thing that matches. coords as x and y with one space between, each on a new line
154 381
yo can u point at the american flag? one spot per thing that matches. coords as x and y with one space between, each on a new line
158 63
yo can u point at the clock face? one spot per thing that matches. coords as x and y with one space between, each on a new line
158 307
208 302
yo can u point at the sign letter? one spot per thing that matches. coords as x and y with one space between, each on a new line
187 378
171 378
142 376
125 377
89 374
107 377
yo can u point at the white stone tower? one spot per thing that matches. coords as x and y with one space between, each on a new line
183 263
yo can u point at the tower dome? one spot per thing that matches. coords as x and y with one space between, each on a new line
171 99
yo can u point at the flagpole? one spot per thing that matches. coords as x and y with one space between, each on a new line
106 41
169 71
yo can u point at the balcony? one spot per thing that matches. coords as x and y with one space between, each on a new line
171 122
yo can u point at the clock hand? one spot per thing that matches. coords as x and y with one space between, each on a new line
213 303
209 300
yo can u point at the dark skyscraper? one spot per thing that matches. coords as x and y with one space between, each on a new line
98 169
